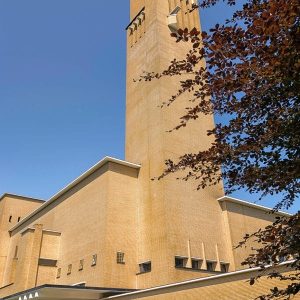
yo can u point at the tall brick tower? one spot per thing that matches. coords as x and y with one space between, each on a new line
174 218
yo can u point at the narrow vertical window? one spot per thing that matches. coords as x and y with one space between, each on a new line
81 265
94 260
16 252
120 258
69 269
10 219
58 274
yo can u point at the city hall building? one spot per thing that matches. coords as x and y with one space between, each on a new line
114 233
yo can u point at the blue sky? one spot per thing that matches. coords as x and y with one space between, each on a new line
62 90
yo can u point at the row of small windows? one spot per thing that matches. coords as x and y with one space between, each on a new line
120 259
145 267
10 219
181 262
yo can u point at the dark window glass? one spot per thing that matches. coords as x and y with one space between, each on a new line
210 266
195 264
224 268
120 258
145 267
180 262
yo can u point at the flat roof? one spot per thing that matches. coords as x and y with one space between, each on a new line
21 197
49 291
90 171
252 205
139 293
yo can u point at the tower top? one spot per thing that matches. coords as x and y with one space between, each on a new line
135 7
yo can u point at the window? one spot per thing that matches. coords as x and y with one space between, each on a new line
16 252
58 274
120 258
145 267
210 266
69 269
10 219
47 262
224 267
180 262
19 219
196 264
175 11
94 260
81 265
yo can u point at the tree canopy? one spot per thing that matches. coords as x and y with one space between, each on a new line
252 76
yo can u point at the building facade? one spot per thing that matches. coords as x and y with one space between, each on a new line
114 230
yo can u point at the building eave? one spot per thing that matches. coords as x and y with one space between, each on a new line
252 205
64 291
22 197
139 293
90 171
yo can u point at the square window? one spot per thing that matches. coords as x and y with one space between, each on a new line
81 265
196 264
210 266
94 260
224 268
69 269
58 274
180 262
145 267
120 258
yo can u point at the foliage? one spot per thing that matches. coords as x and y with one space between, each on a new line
277 243
252 75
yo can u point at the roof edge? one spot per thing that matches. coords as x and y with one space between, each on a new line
94 168
198 280
21 197
252 205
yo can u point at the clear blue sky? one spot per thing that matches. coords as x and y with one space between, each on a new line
62 90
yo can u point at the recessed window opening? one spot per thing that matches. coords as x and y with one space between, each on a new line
16 252
19 219
94 260
211 266
175 11
58 274
196 264
10 219
145 267
120 258
224 267
81 263
69 269
180 262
